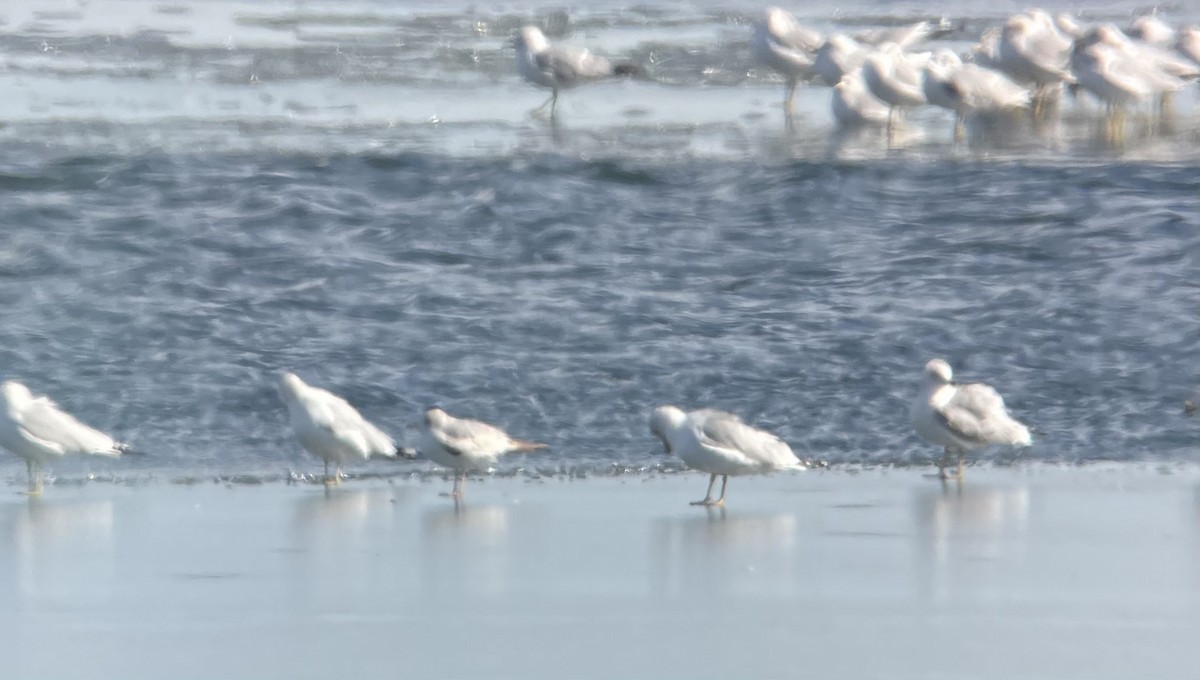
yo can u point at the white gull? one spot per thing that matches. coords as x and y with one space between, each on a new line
36 429
719 443
328 427
463 444
962 418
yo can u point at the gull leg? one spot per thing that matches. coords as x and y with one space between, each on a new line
712 479
328 480
945 461
456 493
34 469
959 127
724 482
960 466
550 102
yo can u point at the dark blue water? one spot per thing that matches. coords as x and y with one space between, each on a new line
158 296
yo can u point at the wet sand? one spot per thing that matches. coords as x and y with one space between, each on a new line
1050 573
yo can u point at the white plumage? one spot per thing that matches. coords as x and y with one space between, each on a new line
329 427
560 67
852 104
962 418
36 429
463 444
781 44
719 443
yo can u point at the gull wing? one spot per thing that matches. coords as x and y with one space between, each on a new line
44 421
732 434
334 414
471 437
569 65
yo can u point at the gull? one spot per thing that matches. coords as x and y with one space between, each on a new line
1187 43
904 36
962 418
1151 30
561 67
780 43
719 443
963 88
894 76
838 55
463 444
1066 24
1120 72
852 104
37 430
328 427
1031 50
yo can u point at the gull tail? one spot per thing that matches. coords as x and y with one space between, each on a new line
403 453
522 445
628 69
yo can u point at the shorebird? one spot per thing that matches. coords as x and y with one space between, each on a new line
720 444
561 67
327 426
463 445
36 429
780 43
962 418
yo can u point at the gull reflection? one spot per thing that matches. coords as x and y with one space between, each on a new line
57 547
465 548
720 552
961 528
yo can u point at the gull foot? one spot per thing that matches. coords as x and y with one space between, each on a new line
708 503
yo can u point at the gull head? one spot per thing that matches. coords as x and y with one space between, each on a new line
938 371
14 393
530 38
665 420
290 384
435 417
776 20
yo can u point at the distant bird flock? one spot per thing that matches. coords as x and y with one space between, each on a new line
877 75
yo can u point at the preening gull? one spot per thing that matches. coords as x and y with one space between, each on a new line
37 430
780 43
894 76
719 443
463 444
963 88
852 104
329 427
962 418
561 67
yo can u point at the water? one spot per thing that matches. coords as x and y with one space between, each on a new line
199 195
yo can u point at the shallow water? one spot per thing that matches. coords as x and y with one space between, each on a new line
199 195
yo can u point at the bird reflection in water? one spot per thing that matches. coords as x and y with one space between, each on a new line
465 548
57 547
965 528
724 552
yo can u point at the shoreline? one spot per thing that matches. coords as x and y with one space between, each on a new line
870 574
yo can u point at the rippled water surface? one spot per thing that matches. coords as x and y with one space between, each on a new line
198 195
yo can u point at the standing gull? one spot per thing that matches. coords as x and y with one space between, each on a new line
561 67
465 445
780 43
37 430
329 427
720 443
962 418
